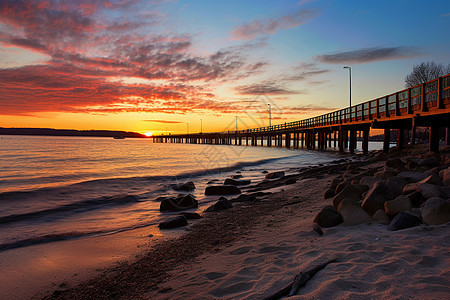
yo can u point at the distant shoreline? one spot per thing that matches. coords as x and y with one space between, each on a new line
69 132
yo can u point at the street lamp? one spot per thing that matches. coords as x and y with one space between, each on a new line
187 128
236 122
270 114
201 126
350 82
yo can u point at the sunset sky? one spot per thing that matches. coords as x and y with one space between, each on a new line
157 66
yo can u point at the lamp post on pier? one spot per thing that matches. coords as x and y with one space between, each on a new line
270 114
201 126
350 83
187 128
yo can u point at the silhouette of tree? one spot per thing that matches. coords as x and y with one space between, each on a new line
424 72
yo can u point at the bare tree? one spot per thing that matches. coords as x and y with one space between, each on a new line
425 72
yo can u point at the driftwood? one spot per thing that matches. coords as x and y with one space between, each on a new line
299 281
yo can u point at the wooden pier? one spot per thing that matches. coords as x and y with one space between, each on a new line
425 105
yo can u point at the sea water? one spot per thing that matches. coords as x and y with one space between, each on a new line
58 188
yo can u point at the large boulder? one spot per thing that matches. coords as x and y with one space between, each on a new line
328 217
411 176
180 203
353 191
445 175
244 198
395 163
328 193
431 179
397 205
187 186
222 190
352 214
431 161
386 173
273 175
436 211
237 176
221 204
375 198
369 180
230 181
174 222
403 220
430 190
394 187
380 217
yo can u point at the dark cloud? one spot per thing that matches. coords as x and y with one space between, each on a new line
268 88
368 55
257 28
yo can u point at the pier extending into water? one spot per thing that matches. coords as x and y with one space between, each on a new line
425 105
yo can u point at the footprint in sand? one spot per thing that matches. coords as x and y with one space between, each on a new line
214 275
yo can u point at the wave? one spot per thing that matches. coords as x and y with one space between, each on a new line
80 206
48 238
126 181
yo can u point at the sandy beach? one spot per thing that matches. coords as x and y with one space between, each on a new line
255 249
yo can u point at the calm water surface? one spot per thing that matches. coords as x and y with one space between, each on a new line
54 188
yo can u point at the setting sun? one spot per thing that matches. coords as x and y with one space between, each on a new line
148 133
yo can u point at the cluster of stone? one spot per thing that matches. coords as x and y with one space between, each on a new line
405 192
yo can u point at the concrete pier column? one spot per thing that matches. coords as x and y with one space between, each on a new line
341 141
386 140
401 138
352 141
434 137
365 143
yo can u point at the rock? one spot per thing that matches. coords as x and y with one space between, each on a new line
412 165
396 163
353 191
397 205
291 181
221 204
173 222
416 199
230 181
385 173
429 190
244 198
328 217
445 175
375 198
273 175
411 176
436 211
341 186
381 217
213 181
394 187
431 161
328 194
222 190
403 220
236 176
191 215
187 186
369 180
352 214
265 172
432 179
335 182
182 202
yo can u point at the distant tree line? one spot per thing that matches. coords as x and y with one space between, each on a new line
69 132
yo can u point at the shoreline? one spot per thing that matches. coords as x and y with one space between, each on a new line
156 274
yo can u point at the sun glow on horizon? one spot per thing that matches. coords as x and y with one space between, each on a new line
148 134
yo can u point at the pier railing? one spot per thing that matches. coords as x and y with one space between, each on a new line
432 95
